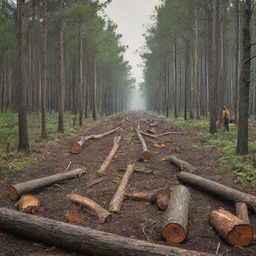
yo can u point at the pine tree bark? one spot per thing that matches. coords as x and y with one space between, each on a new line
81 97
94 110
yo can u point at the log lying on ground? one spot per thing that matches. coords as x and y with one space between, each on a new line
15 191
159 196
82 239
92 207
176 216
107 162
183 165
137 170
117 200
152 130
78 146
218 189
160 135
73 217
145 155
28 204
233 230
242 212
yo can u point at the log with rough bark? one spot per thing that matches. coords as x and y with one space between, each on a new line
15 191
137 170
159 196
78 146
242 212
233 230
176 216
117 200
182 165
28 204
92 207
145 155
82 239
223 191
107 162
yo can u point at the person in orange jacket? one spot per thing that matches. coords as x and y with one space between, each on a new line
226 117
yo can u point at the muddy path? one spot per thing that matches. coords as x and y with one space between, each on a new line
139 220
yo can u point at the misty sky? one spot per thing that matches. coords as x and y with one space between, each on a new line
130 16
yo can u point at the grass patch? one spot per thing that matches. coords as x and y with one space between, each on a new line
13 160
243 167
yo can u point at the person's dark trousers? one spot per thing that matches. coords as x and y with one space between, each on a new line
226 122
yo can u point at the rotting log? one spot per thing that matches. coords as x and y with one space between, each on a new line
117 200
82 239
176 216
15 191
213 187
107 162
181 164
28 204
92 207
137 170
233 230
78 146
145 155
242 212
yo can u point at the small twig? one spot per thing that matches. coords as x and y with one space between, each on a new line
57 185
143 230
68 166
217 250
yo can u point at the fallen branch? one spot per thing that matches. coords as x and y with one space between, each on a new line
82 239
183 165
145 155
93 208
176 216
78 146
223 191
28 204
117 201
233 230
137 170
160 135
107 162
96 181
15 191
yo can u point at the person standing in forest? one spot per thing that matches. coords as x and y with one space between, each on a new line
226 117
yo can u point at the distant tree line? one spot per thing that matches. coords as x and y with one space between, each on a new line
60 55
198 59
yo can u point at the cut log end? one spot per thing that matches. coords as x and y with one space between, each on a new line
174 233
145 156
13 195
162 200
241 235
75 149
29 204
73 217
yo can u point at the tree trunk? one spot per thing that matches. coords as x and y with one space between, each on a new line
183 165
107 162
242 137
94 208
81 239
232 229
117 200
145 155
44 71
218 189
176 216
15 191
81 97
242 212
22 83
94 109
61 74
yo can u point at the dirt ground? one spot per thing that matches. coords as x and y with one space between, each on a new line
139 220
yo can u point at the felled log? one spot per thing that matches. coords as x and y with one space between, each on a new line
73 217
242 212
92 207
117 200
176 216
145 155
78 146
15 191
82 239
137 170
233 230
225 192
28 204
182 165
104 166
159 196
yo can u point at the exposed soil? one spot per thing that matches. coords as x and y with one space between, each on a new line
139 220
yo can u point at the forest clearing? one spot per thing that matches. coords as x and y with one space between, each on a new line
127 127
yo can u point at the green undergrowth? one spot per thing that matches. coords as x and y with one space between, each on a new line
242 167
13 160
